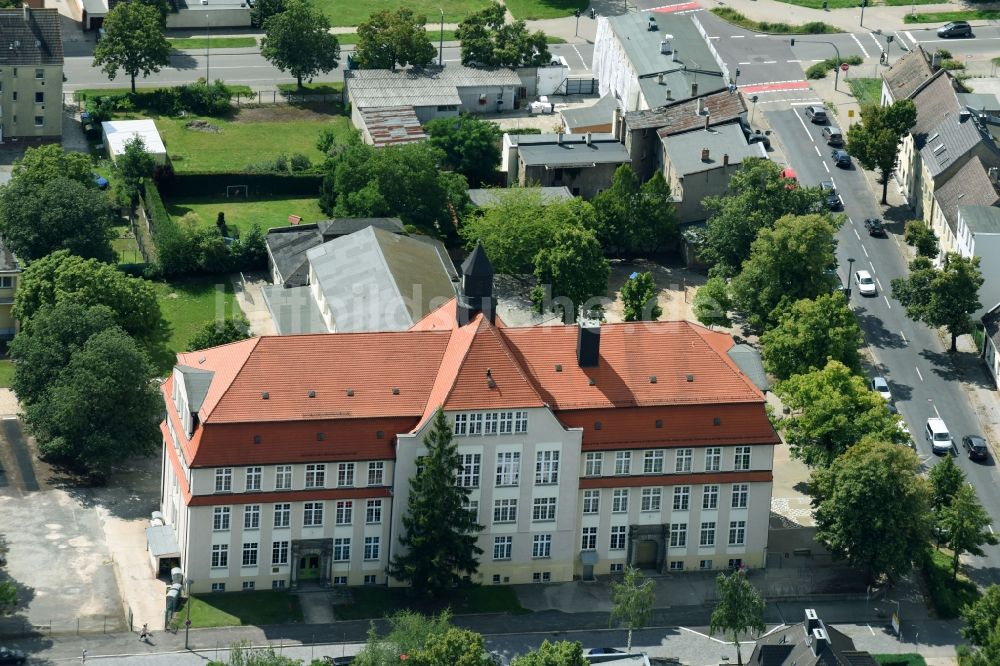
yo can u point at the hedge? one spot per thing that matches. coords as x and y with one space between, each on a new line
194 184
172 247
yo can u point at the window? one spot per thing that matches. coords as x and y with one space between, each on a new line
341 550
282 515
491 423
541 545
345 512
520 422
713 459
253 478
220 518
340 580
541 577
737 532
39 98
736 563
279 552
546 467
710 497
677 565
218 587
618 537
651 499
652 462
475 424
506 423
544 509
376 473
682 463
15 95
370 579
589 541
617 567
741 492
623 462
619 500
251 517
505 511
39 73
248 585
508 468
502 547
250 554
472 506
593 464
283 477
707 538
373 512
496 579
6 282
682 498
705 565
316 476
345 474
468 476
372 545
742 461
224 479
220 556
39 121
678 535
312 514
461 424
278 584
591 501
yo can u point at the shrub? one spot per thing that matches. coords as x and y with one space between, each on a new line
100 109
299 162
952 65
206 99
817 71
948 596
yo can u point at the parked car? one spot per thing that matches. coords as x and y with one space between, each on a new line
866 283
955 29
9 656
880 386
833 136
976 447
594 652
817 114
788 173
841 158
832 198
874 227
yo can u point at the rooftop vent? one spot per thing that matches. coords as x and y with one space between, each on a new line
201 359
964 115
491 383
558 367
690 378
350 393
312 394
665 45
716 421
265 395
257 439
652 379
705 155
812 620
820 640
591 381
598 425
588 343
395 390
659 423
489 372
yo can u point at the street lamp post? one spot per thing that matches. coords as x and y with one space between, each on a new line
864 3
754 109
441 42
208 48
187 622
576 13
850 268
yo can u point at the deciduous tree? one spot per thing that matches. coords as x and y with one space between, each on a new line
133 42
874 141
922 237
635 218
966 526
739 611
946 478
394 37
439 532
471 145
216 333
44 163
489 41
455 647
265 9
561 653
872 508
298 41
132 167
811 332
572 273
633 599
639 298
712 303
982 616
942 298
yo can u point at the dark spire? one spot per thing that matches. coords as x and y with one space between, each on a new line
476 293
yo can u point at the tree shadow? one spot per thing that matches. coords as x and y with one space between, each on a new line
959 366
183 60
875 331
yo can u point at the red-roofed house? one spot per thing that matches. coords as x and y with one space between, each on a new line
287 459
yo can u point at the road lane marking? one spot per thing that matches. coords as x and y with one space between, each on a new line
857 234
876 279
804 128
935 409
902 41
872 265
743 63
578 55
903 335
865 250
877 43
799 102
793 61
886 298
920 375
736 36
860 45
769 62
910 35
762 35
826 167
817 150
871 630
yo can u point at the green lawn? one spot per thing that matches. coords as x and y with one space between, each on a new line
267 212
87 93
866 91
352 12
125 246
187 305
944 17
902 3
375 602
6 373
948 596
190 43
546 9
900 659
241 608
349 38
818 4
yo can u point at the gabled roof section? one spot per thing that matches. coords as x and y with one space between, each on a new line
226 362
30 37
443 318
197 382
969 186
681 116
952 139
907 74
933 101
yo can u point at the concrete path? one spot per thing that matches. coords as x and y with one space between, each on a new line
317 606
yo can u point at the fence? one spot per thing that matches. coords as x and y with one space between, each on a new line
22 627
578 86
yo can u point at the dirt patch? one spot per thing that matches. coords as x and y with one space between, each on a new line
202 126
283 113
676 285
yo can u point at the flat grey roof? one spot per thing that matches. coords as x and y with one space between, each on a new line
488 197
684 150
293 310
600 113
546 150
749 362
429 86
161 542
981 219
642 46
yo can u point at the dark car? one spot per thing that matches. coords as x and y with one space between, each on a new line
955 29
874 227
817 114
339 661
9 656
830 192
976 447
594 652
841 158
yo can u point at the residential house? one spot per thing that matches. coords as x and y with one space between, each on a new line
971 186
699 163
808 643
10 276
490 197
585 448
905 77
31 75
583 163
991 341
935 98
978 235
648 59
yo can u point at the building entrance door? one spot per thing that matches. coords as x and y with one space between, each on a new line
646 555
309 567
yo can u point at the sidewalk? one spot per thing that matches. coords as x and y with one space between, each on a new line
848 19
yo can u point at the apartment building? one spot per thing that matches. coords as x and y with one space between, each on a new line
585 447
31 75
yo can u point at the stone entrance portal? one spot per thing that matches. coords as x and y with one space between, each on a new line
311 561
647 546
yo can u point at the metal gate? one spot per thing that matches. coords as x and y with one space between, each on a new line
579 86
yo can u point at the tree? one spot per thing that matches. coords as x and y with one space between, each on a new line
132 167
740 609
633 602
712 303
571 273
58 214
967 526
787 263
389 38
214 334
635 218
489 41
455 647
874 141
757 197
872 508
942 298
265 9
811 332
298 41
561 653
832 410
44 163
981 616
408 633
439 538
639 298
56 332
101 409
945 478
922 237
471 146
8 597
988 654
133 42
62 276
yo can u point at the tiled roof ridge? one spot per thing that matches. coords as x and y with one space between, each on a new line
505 345
703 333
252 346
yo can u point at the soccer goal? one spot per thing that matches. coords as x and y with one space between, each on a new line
236 191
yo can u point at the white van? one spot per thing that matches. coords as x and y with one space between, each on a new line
937 434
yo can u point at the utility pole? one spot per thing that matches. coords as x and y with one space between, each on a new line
441 42
208 49
187 622
576 13
864 3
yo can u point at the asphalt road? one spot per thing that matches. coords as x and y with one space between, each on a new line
913 358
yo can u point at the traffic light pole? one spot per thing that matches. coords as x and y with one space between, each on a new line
836 70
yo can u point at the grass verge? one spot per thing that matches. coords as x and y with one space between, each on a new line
375 602
909 659
818 4
812 28
944 17
352 12
530 10
87 93
866 91
245 608
351 38
6 373
819 70
330 88
268 212
125 246
901 3
187 305
190 43
948 595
